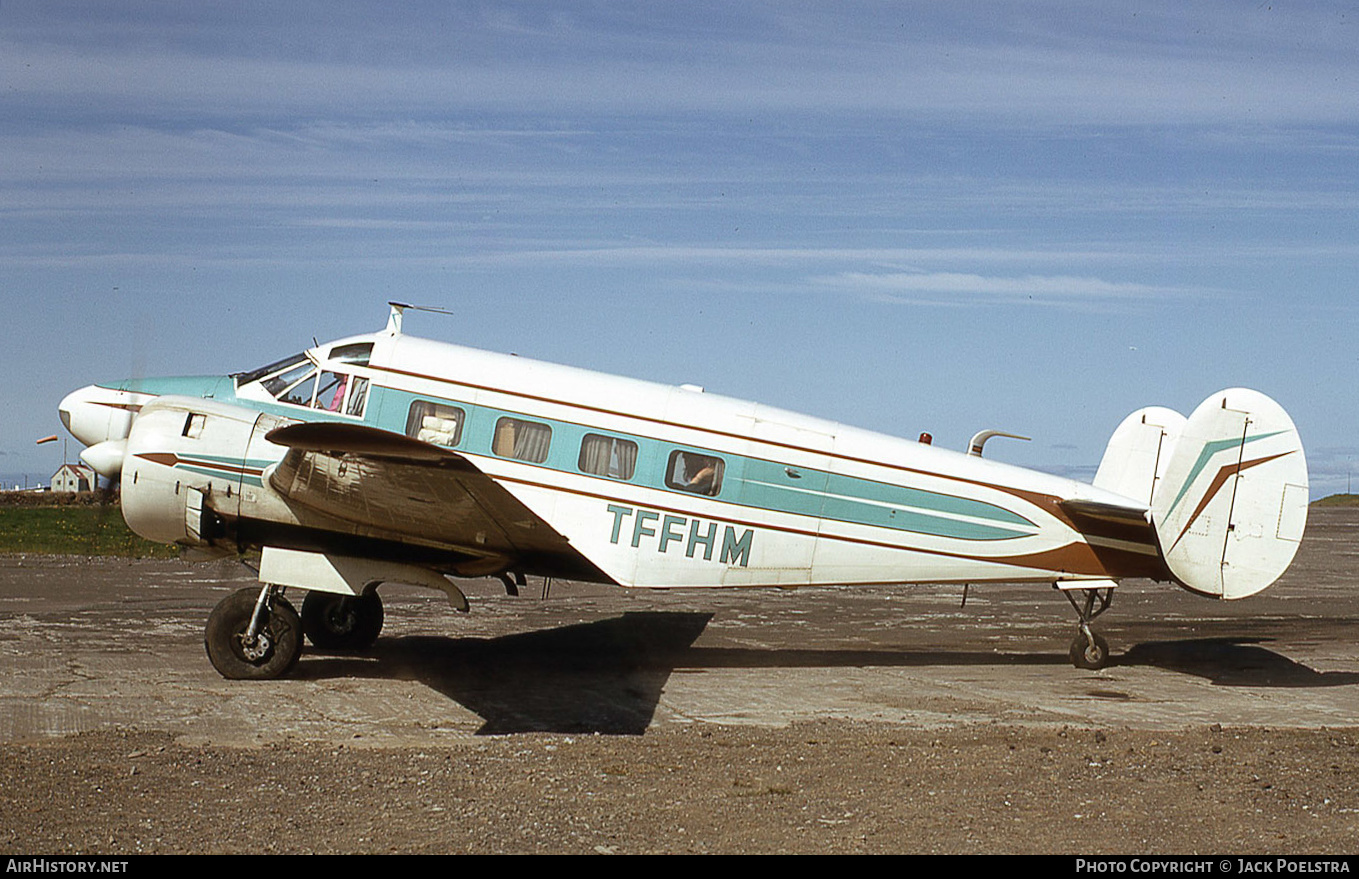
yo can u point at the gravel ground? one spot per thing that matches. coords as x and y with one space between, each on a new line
831 787
1221 728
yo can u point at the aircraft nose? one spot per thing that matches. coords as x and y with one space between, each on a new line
93 414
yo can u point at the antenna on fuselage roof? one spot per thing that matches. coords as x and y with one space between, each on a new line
394 320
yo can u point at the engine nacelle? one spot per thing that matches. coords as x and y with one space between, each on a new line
183 469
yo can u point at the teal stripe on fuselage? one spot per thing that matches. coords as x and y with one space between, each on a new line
910 509
755 483
767 485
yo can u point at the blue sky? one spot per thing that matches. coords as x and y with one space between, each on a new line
906 216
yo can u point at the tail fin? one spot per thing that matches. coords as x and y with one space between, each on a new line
1135 459
1231 506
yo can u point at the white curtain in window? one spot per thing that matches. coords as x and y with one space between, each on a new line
531 441
595 454
627 458
608 456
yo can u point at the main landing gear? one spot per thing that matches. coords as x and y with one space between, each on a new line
1089 650
342 622
256 634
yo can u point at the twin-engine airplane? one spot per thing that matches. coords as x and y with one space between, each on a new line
387 458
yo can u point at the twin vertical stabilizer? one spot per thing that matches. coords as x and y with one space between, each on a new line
1227 489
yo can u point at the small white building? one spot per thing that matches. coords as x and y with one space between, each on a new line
74 477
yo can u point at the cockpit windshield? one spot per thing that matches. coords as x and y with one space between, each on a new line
330 385
353 354
245 378
292 378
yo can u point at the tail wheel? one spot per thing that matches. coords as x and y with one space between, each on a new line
270 651
342 622
1090 652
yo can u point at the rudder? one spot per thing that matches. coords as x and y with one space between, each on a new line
1231 508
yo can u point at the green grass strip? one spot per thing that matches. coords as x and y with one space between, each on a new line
75 530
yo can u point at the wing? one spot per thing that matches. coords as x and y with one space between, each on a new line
428 494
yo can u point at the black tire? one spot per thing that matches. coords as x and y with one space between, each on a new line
1092 655
342 622
228 623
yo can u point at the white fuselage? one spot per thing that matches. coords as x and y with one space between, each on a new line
609 463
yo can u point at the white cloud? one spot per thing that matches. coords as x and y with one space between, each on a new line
967 289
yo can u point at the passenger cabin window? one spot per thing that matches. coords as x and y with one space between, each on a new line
435 423
692 472
522 440
608 456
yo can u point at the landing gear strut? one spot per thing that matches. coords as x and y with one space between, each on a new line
342 622
1089 650
254 634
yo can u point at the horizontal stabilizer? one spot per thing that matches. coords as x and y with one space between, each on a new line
1081 510
1230 509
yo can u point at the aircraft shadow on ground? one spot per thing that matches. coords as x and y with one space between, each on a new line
601 677
1231 662
607 676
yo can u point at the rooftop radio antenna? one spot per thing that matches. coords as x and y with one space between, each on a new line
394 320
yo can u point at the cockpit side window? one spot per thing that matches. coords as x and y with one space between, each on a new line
358 396
330 392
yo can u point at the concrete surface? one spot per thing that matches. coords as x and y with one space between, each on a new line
96 644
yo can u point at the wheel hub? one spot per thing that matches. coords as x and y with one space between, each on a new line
256 648
342 619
